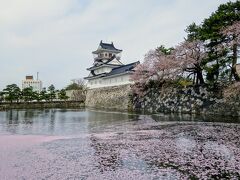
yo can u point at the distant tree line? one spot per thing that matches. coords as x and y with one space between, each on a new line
12 93
207 56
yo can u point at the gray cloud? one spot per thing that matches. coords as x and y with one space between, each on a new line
56 37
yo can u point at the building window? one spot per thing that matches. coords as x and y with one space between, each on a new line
105 54
110 54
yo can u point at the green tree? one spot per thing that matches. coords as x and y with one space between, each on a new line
51 92
219 58
193 32
12 93
28 94
164 50
62 95
1 96
36 96
43 95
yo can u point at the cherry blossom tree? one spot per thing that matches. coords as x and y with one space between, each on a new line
157 67
140 78
232 34
190 56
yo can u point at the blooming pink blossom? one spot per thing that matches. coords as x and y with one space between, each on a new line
190 56
157 66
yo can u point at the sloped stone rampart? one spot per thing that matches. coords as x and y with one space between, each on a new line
198 100
115 97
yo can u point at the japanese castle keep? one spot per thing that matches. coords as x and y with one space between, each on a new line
107 69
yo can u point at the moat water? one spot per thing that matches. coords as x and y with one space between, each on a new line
94 144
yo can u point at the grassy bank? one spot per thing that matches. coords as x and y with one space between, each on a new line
41 105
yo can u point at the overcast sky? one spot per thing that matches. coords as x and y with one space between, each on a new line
56 37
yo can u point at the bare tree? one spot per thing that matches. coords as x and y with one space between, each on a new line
77 90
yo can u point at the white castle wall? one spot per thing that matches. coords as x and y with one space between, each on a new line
107 82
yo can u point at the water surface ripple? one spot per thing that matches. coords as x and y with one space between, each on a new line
90 144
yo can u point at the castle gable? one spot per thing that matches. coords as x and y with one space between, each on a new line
107 69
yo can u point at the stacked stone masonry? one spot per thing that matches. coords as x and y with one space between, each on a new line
197 100
192 100
115 97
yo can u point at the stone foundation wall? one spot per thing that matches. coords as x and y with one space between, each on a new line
199 100
115 97
192 100
76 95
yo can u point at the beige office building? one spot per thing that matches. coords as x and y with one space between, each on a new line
30 82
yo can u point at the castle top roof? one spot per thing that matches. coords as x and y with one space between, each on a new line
106 47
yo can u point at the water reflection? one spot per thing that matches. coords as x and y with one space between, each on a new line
71 122
12 117
109 145
57 121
